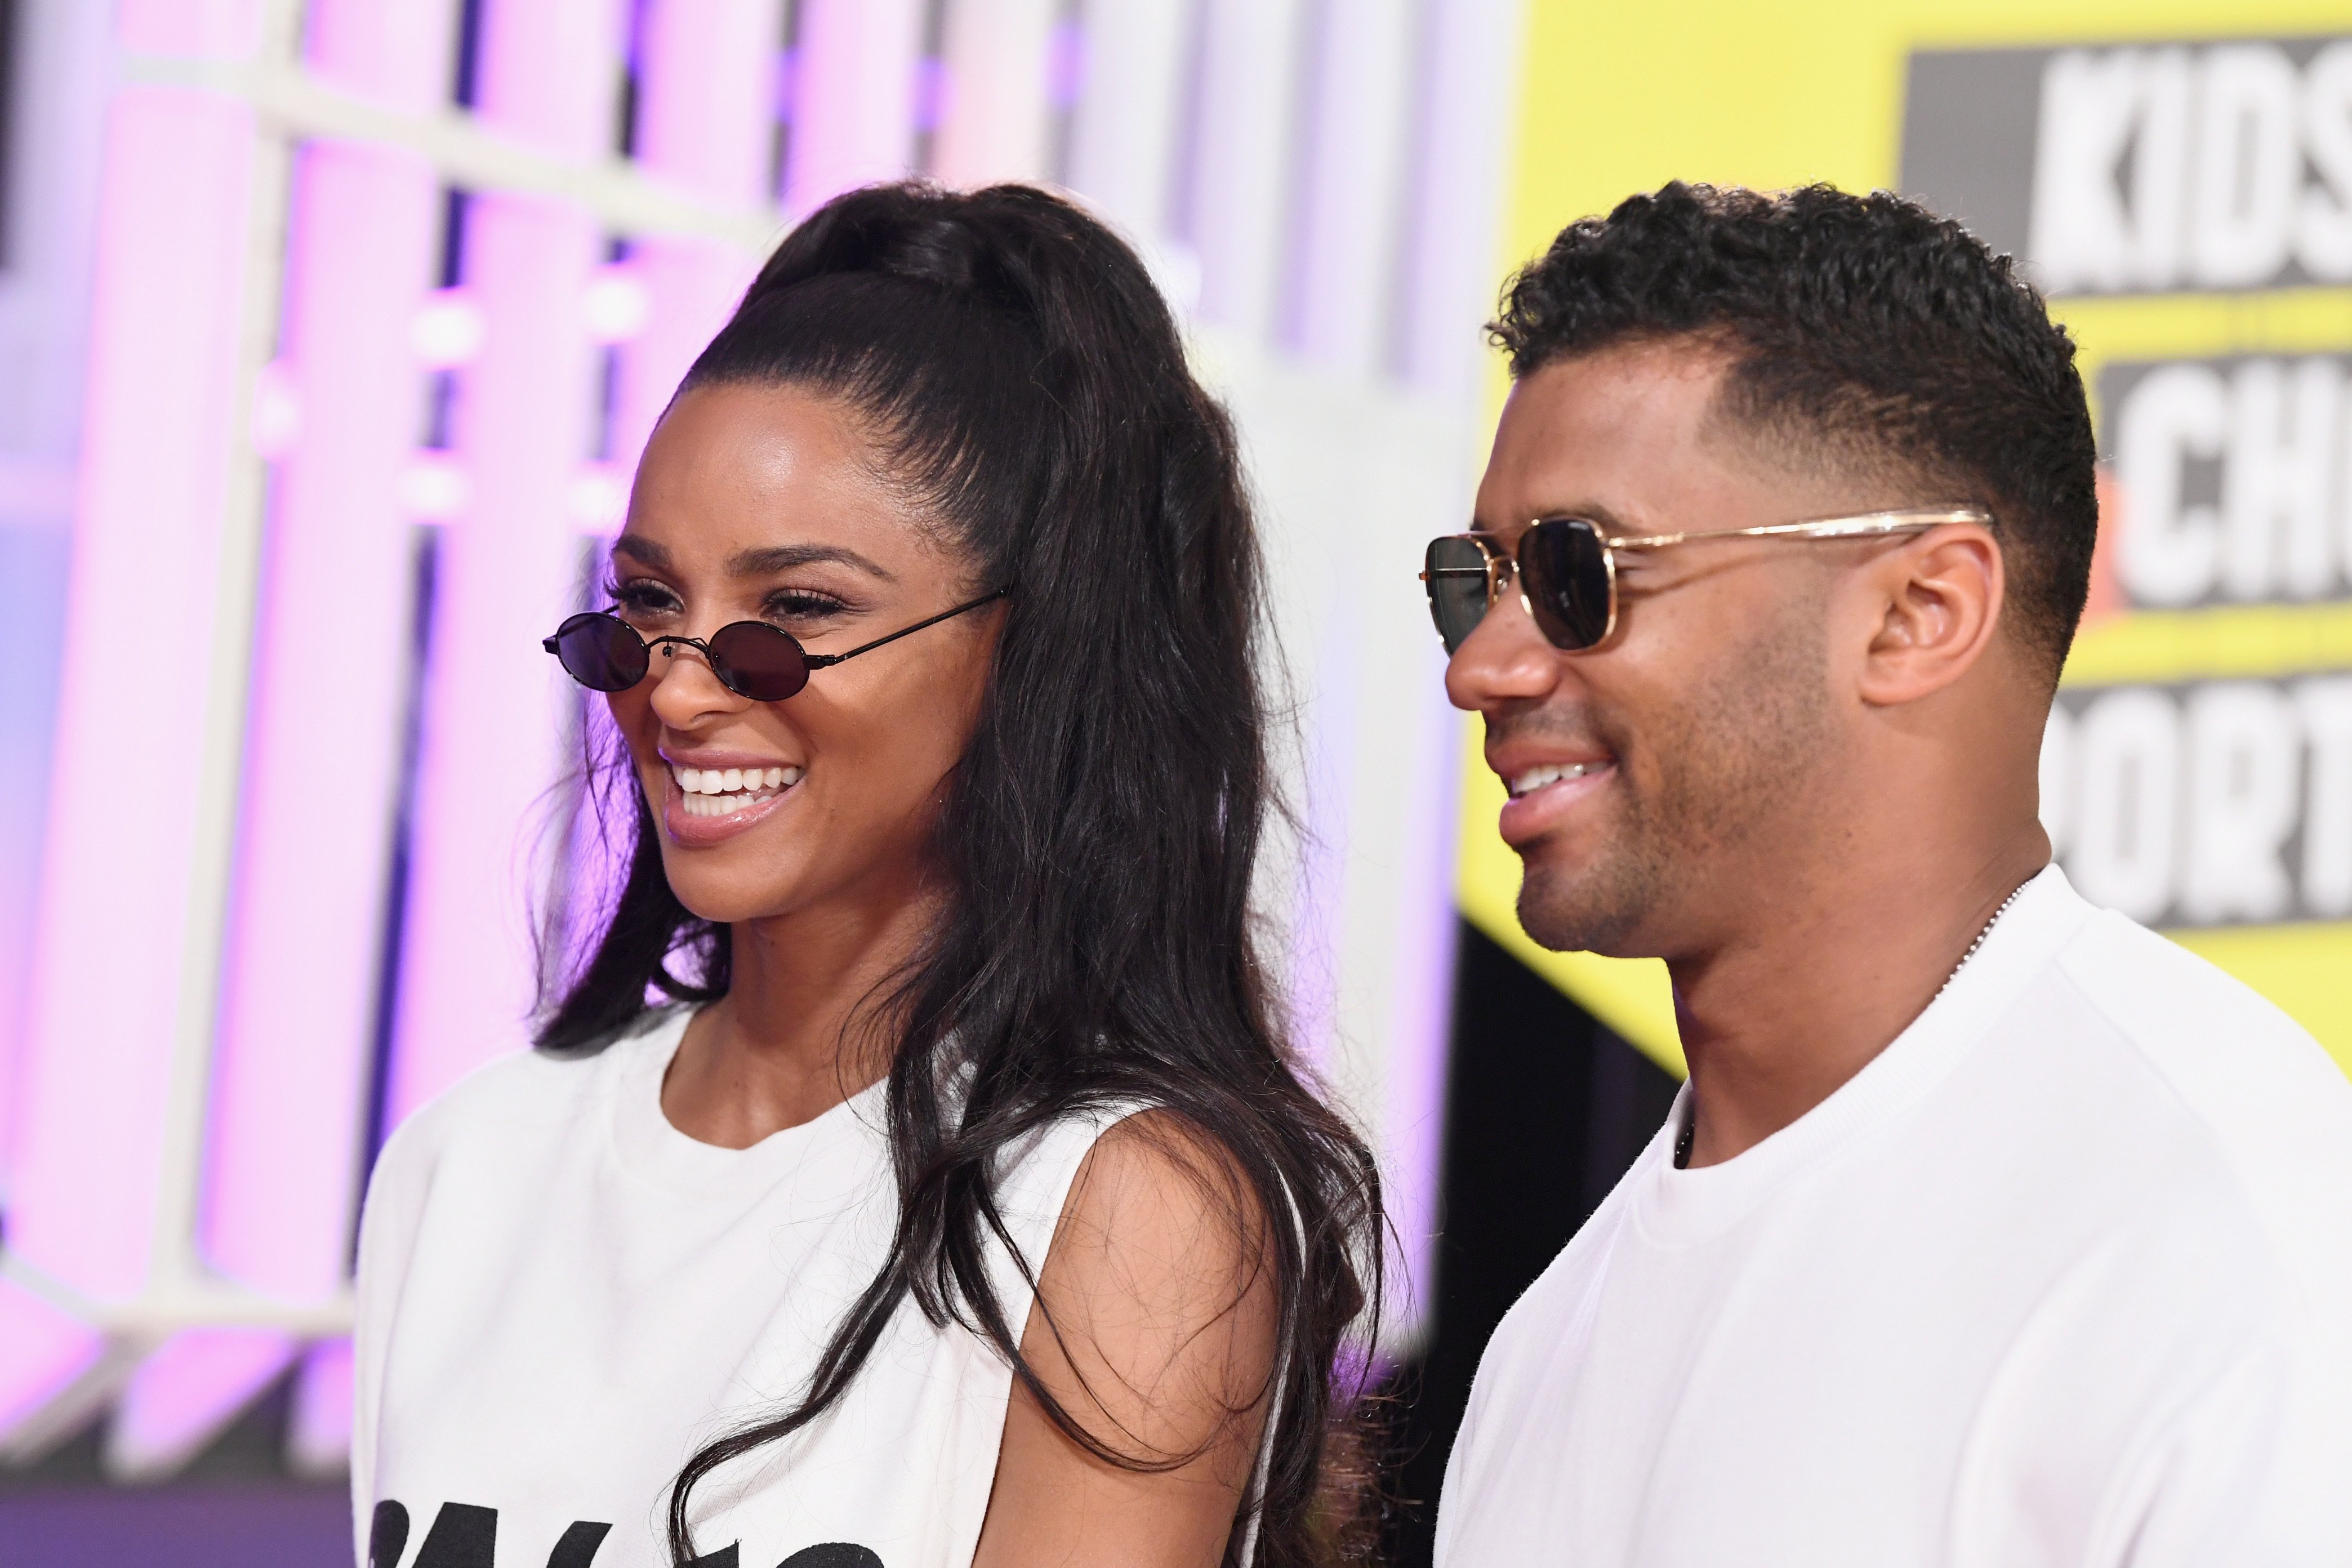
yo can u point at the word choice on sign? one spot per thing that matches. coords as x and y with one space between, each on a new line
2224 165
2217 802
2236 478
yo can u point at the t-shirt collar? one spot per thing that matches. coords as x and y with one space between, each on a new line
1682 1207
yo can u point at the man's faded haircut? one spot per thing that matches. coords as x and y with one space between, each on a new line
1866 336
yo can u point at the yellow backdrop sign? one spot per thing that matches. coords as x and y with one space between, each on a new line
2178 178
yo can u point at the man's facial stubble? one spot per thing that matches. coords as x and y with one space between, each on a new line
1721 766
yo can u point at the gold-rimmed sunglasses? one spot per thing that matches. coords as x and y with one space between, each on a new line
1567 568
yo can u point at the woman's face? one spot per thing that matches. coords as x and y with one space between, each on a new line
762 503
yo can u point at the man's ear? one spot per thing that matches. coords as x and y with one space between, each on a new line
1938 599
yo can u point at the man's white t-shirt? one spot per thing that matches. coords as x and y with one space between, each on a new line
2062 1277
561 1298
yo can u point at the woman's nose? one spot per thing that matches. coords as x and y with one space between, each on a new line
686 689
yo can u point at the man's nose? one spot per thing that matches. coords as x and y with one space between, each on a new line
1505 660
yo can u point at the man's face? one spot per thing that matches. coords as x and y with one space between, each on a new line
1664 784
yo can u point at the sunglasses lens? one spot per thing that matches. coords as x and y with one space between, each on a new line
601 652
1456 580
757 661
1565 573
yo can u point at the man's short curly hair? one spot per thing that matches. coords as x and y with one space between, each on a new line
1865 335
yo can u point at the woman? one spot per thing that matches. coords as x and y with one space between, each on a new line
963 1206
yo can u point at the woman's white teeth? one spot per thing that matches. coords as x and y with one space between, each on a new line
1536 778
718 792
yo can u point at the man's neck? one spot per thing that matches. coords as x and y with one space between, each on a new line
1776 1018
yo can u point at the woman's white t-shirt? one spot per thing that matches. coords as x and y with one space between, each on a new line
561 1298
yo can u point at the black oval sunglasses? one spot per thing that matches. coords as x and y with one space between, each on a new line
751 659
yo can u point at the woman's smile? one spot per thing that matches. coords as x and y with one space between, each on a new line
712 797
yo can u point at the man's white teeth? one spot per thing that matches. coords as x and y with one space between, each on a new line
720 792
1536 778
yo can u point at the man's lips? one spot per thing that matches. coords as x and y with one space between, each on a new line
1546 791
1527 781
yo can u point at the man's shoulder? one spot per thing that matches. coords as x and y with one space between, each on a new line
1552 1308
2231 1071
2224 1049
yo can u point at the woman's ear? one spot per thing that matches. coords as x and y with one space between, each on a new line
1938 601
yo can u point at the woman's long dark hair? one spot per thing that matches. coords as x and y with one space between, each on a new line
1030 390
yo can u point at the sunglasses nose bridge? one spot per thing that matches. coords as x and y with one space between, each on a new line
667 648
1504 580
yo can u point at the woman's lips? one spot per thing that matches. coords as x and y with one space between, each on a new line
1547 796
716 817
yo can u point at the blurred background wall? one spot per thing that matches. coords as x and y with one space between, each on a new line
332 332
329 335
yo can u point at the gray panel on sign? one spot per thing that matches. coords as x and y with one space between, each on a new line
1968 124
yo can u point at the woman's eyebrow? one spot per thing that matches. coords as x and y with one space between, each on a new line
644 549
784 557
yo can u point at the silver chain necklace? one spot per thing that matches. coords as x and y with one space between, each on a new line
1979 942
1690 1123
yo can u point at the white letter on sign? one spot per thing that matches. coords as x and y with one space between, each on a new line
2168 551
2323 230
2326 707
2128 820
2081 238
2242 756
2248 166
2275 486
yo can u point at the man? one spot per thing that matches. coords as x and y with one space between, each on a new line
1991 1229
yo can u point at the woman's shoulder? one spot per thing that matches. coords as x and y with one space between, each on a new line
1156 1326
1094 1188
520 1097
1149 1171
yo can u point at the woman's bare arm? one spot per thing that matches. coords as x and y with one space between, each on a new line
1155 1328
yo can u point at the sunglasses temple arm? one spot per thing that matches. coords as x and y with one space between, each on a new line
1820 528
826 660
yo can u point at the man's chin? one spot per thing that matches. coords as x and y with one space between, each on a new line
1586 910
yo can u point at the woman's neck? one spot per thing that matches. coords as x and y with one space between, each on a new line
804 1025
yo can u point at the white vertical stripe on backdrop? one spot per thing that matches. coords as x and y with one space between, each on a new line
331 678
1244 124
1125 129
1347 473
1453 230
998 113
705 113
61 57
119 1022
506 571
293 1068
853 98
1348 212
